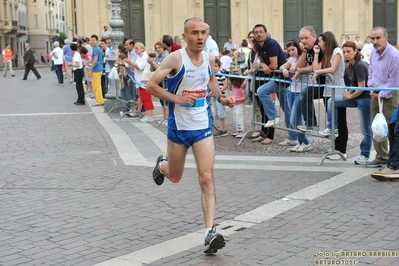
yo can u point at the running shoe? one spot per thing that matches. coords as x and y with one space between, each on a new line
157 173
213 241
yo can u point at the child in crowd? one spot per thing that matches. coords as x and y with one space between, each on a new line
86 59
238 89
125 91
218 109
226 62
123 78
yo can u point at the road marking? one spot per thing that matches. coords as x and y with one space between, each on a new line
131 156
245 220
124 145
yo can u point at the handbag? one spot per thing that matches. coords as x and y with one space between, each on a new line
113 74
379 125
147 74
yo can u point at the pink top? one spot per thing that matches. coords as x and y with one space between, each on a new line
238 92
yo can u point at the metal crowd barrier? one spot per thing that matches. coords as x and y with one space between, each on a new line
259 78
120 99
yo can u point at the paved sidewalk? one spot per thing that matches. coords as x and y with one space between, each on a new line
76 189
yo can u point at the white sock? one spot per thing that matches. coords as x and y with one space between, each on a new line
160 167
207 231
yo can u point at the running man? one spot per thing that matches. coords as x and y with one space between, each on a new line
189 73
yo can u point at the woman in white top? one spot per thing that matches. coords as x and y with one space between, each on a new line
139 66
77 68
57 57
332 63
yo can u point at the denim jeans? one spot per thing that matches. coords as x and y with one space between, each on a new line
264 93
294 104
60 75
104 83
363 107
267 132
308 94
393 161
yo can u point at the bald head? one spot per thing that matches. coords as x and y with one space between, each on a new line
190 21
207 27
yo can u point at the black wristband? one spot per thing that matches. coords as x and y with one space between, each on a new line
221 96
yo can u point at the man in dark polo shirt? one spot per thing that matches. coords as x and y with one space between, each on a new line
272 57
304 66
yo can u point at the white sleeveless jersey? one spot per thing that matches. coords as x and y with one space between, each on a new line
190 79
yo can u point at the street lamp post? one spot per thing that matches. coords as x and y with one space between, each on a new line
116 37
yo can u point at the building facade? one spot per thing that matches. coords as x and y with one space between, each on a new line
35 21
149 20
10 28
40 21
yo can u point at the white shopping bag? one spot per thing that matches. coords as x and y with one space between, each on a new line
380 125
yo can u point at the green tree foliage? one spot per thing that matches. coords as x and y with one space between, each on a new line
63 36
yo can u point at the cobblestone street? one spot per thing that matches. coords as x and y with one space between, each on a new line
76 189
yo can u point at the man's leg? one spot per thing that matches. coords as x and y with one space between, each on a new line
393 162
35 72
10 67
388 109
172 166
106 82
379 147
5 69
69 71
97 87
307 107
391 172
308 94
264 93
204 153
27 69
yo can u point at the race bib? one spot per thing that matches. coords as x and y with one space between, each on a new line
200 102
